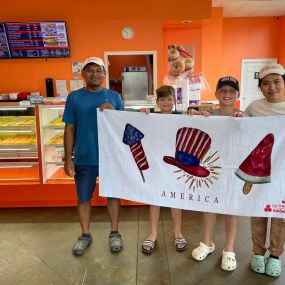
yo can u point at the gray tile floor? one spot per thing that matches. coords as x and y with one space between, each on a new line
35 249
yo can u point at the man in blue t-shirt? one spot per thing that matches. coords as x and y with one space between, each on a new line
81 137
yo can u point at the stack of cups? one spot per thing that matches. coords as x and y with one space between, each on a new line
178 101
182 95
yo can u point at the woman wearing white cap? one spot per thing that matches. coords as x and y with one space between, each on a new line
272 85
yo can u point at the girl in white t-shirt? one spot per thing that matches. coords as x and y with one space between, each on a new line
272 85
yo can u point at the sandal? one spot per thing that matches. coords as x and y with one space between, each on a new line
116 242
258 263
229 262
273 267
148 246
202 251
180 244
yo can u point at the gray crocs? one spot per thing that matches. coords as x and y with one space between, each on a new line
81 245
116 242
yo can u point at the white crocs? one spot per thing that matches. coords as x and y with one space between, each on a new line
229 262
202 251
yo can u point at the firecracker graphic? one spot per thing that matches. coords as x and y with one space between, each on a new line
192 158
132 138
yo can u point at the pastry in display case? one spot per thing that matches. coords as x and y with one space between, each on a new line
18 145
32 158
52 130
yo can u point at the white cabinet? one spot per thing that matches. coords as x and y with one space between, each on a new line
52 150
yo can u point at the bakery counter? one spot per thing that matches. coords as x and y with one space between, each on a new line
18 145
139 104
31 159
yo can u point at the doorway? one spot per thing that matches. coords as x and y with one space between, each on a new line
131 65
249 80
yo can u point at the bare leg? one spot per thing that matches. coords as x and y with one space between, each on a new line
154 212
209 222
231 230
84 210
176 217
113 206
207 246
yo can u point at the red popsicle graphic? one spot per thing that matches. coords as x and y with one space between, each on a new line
132 138
257 166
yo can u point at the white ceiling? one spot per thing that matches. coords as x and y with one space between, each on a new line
251 8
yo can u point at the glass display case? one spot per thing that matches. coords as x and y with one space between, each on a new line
19 160
52 129
32 159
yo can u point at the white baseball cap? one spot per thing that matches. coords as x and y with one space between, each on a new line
270 68
96 60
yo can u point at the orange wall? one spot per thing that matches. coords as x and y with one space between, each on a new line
91 32
106 10
282 41
226 41
212 42
87 38
219 43
248 38
117 64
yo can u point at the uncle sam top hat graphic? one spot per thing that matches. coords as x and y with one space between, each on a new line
191 146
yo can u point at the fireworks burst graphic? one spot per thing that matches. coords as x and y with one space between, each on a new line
197 182
192 157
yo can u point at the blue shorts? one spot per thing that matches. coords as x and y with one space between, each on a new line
85 181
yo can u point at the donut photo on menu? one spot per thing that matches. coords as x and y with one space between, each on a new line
173 53
189 63
180 62
177 67
50 41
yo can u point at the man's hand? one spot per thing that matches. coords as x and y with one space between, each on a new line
69 168
106 105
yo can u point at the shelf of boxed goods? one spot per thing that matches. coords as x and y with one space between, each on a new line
19 159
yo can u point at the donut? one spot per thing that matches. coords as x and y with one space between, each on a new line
177 67
190 73
189 63
173 53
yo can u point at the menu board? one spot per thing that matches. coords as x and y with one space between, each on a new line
37 39
4 47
